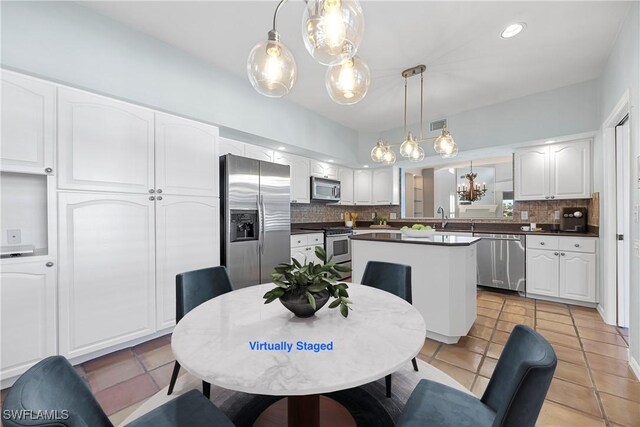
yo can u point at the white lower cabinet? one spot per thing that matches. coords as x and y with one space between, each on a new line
564 268
303 247
28 315
107 270
187 238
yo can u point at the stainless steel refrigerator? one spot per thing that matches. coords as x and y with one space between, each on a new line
255 217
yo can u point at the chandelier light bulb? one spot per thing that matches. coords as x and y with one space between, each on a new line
389 157
377 153
417 155
271 67
332 29
348 83
444 142
451 152
408 146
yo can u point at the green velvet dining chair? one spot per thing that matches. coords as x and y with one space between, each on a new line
395 279
53 389
192 289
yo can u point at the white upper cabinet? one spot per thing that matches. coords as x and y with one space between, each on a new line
570 170
104 145
557 171
28 124
362 187
299 170
324 170
386 186
345 176
258 153
230 146
531 173
187 238
186 157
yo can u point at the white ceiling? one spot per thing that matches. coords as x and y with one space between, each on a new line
468 64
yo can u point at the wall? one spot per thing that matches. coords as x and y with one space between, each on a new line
67 43
622 73
564 111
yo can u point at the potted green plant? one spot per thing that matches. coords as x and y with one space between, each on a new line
305 289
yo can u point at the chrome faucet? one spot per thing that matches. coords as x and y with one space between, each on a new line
443 218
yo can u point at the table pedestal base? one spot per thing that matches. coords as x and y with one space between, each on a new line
333 414
304 411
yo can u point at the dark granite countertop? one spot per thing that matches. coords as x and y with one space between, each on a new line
436 239
456 227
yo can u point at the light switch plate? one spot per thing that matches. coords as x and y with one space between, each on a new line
636 248
524 215
342 215
636 212
392 215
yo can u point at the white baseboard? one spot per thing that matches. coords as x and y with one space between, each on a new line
635 366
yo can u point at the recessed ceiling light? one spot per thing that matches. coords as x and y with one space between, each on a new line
513 30
366 166
331 161
282 148
551 141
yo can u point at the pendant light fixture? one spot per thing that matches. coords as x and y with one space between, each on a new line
410 148
348 82
271 67
471 192
332 29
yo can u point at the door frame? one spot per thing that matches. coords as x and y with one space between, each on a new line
608 208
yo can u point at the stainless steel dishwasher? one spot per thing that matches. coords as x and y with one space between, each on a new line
501 261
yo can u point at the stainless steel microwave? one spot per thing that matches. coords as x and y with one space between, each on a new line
325 190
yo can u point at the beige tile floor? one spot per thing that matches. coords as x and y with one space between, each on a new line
592 386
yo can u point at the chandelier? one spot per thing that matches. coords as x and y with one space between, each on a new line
471 192
410 148
332 31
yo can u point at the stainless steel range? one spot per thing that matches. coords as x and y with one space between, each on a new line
338 245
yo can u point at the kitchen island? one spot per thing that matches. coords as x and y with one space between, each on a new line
443 276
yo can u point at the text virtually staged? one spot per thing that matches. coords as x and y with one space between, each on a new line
287 346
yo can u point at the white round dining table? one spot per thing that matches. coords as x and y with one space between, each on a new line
237 342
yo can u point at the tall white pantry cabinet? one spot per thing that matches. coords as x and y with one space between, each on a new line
137 203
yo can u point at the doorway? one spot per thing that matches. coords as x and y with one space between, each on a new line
623 221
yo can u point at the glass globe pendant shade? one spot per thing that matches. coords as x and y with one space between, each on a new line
452 152
417 155
444 142
271 67
389 157
377 153
332 29
408 146
348 82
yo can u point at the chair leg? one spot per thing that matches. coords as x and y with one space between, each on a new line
174 377
415 364
206 389
387 381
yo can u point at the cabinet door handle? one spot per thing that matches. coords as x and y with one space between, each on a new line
542 243
152 198
546 197
577 245
48 170
555 253
151 191
49 264
563 254
553 197
159 198
159 190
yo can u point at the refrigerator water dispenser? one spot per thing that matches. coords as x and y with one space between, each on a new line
244 225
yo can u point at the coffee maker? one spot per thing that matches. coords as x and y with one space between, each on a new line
573 219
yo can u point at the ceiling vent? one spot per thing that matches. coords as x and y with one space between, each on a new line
438 124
